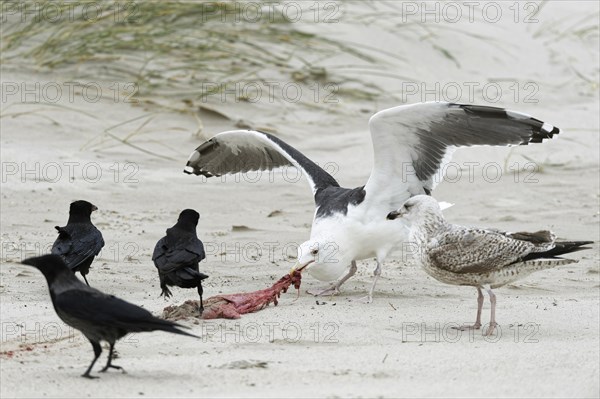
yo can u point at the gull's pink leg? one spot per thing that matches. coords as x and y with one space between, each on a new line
334 289
493 323
369 297
477 324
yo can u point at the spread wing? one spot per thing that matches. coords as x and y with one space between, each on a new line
413 143
241 151
77 242
466 250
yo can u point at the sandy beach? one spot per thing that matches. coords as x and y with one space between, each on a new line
402 344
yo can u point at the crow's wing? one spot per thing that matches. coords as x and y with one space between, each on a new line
77 242
160 250
62 245
173 254
190 274
97 309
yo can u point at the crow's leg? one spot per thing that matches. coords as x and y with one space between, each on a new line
477 324
97 352
109 362
200 292
334 289
84 268
166 292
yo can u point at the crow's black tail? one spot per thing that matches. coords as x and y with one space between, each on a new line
157 324
174 328
560 248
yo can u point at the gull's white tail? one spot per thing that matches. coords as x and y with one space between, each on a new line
445 205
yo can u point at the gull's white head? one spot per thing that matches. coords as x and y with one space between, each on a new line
417 208
322 258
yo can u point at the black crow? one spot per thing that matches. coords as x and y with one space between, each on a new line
100 317
79 241
176 256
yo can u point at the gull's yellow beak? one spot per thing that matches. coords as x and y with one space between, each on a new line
298 268
294 268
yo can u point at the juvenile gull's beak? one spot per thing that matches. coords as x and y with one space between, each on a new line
394 214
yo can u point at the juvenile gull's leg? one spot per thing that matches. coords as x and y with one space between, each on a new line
334 289
369 297
477 324
493 323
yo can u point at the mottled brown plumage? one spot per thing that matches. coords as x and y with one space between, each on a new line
482 258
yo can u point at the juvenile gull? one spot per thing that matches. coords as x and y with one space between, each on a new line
482 258
412 144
